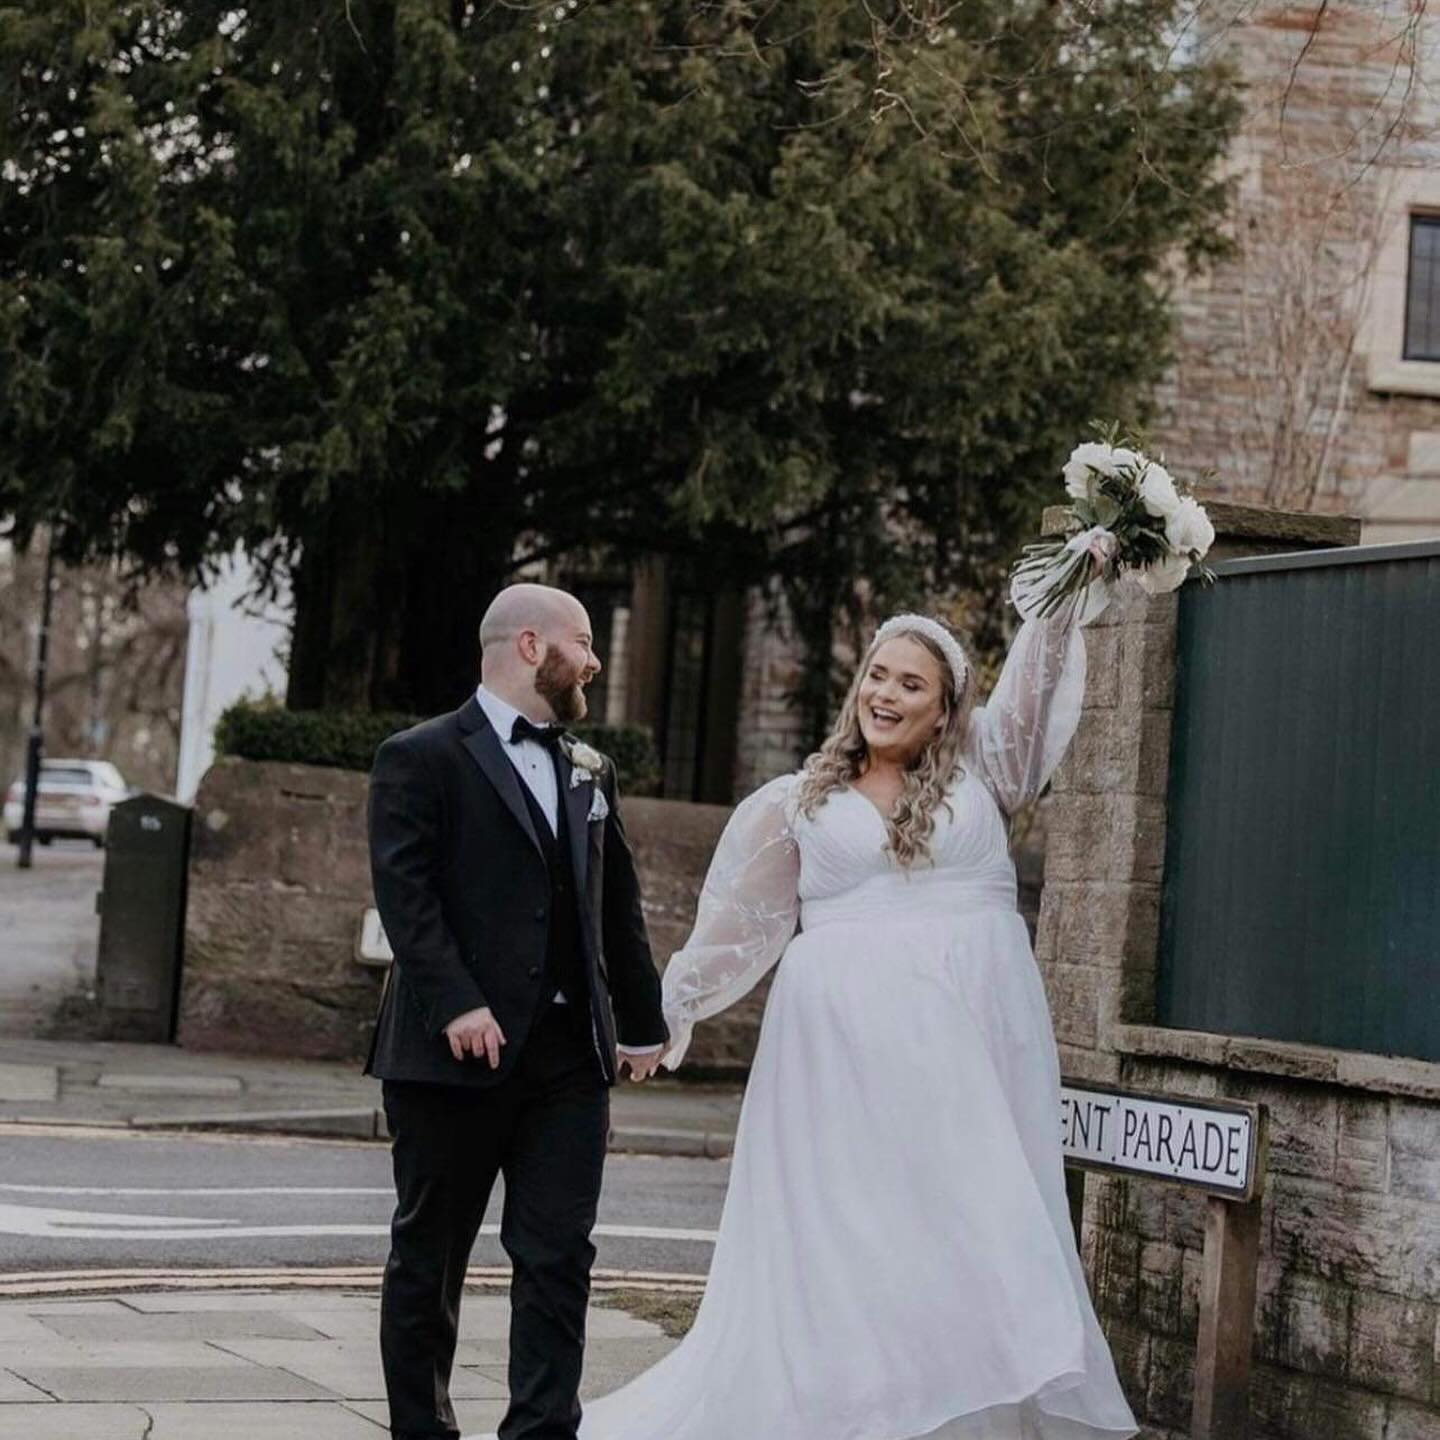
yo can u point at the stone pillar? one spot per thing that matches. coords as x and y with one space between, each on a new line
1097 946
1100 912
646 639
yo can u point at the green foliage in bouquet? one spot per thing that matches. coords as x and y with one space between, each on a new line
1116 503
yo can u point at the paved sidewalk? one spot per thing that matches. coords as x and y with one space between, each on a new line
85 1082
277 1365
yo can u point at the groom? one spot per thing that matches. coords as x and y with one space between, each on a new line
508 892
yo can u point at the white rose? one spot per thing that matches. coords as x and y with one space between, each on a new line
1157 491
586 761
1188 528
1079 481
1164 575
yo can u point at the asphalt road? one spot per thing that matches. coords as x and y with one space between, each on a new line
48 931
99 1200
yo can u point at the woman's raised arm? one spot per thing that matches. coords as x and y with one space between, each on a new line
1021 733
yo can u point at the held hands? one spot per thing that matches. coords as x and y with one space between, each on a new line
642 1065
476 1033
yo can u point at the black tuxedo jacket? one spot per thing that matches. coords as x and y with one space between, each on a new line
463 889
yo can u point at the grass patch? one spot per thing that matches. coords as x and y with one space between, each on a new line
673 1313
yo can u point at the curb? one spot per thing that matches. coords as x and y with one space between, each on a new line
697 1144
46 1284
368 1123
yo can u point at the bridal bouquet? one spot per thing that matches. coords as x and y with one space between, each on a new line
1126 511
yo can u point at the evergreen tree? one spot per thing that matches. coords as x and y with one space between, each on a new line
402 294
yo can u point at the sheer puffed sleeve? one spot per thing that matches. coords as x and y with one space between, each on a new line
1021 733
748 910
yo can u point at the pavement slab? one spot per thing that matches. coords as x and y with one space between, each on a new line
254 1366
229 1301
475 1416
292 1420
484 1317
46 1307
15 1390
350 1369
350 1324
607 1324
235 1324
19 1329
613 1364
29 1358
74 1422
29 1083
174 1382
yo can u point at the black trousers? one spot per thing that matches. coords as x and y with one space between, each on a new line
545 1129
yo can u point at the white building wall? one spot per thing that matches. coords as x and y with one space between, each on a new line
237 651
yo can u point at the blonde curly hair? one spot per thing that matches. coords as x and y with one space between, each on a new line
840 760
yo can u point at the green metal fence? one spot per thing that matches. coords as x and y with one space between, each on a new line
1302 870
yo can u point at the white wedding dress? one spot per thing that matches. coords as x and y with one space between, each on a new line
895 1257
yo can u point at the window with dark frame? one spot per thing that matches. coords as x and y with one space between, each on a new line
685 698
1422 290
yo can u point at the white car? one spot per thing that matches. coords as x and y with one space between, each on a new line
74 801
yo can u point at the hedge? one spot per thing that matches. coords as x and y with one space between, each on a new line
348 740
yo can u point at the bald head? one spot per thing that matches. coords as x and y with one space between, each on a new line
537 651
541 608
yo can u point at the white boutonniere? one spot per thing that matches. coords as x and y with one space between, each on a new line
599 805
585 763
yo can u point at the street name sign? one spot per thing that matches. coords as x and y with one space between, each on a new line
1212 1145
1218 1147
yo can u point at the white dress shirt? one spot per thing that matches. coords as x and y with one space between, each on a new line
530 758
536 769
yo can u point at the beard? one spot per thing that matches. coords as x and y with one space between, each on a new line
558 683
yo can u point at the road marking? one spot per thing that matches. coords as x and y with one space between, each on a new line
150 1190
36 1220
40 1220
640 1232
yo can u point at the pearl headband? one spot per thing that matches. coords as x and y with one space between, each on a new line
932 630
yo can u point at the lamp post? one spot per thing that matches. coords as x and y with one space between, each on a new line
35 745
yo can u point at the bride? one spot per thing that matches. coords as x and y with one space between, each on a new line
895 1256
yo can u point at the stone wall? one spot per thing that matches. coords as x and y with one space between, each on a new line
279 881
1346 1338
673 843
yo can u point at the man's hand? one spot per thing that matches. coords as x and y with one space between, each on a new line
476 1033
643 1064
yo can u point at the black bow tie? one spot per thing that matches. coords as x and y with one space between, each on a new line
546 735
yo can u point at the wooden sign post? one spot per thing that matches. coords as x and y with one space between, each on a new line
1215 1146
